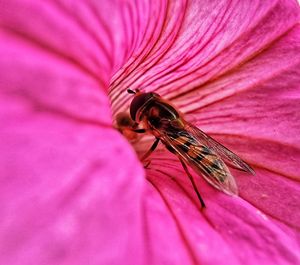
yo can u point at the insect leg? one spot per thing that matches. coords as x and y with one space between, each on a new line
193 183
152 148
147 164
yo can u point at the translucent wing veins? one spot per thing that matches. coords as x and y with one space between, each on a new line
199 156
227 155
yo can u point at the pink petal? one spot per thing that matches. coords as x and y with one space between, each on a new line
229 226
239 81
64 200
77 197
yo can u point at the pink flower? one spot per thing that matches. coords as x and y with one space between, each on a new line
72 188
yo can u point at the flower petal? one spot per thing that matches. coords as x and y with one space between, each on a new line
229 226
260 122
64 200
68 202
213 38
226 70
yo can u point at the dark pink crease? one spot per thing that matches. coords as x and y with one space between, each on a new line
154 58
255 85
181 232
116 105
116 93
138 27
127 70
204 96
126 29
105 27
265 141
146 232
269 214
184 59
85 29
123 97
240 136
224 119
222 51
37 44
73 191
233 69
137 36
42 107
194 200
134 35
157 58
153 165
209 80
118 76
249 224
131 23
291 178
255 205
214 119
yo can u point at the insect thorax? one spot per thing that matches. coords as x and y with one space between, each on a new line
159 113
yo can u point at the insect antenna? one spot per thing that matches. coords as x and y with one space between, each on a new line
130 91
193 183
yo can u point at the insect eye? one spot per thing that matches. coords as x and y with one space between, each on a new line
137 103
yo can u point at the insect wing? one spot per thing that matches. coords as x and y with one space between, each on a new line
227 155
203 160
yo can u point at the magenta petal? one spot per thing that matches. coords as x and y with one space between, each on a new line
69 194
63 198
236 75
72 190
231 227
62 201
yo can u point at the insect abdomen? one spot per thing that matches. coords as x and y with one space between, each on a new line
198 154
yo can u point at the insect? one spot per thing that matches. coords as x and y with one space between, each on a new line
126 126
192 146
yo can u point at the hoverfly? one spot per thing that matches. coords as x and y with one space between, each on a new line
193 147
